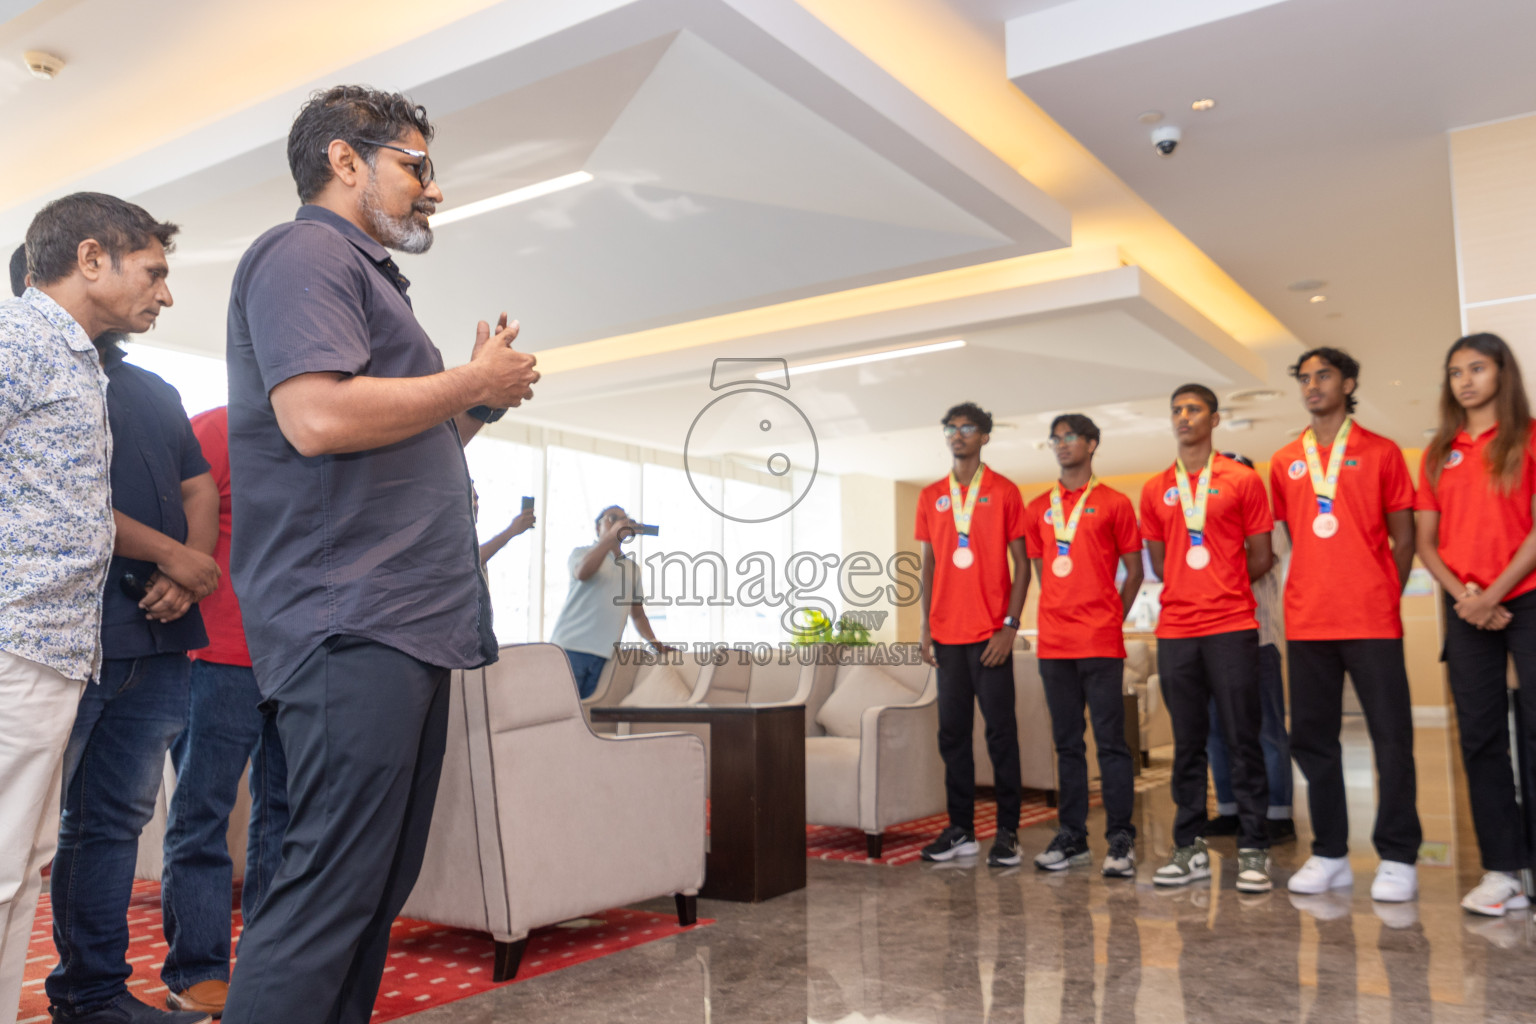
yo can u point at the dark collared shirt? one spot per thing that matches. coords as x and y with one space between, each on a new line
153 451
377 544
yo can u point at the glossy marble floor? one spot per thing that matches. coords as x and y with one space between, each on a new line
967 944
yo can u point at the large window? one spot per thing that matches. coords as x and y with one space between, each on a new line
504 473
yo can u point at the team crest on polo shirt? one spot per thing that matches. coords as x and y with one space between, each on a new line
1050 515
1453 460
942 504
1297 469
1171 497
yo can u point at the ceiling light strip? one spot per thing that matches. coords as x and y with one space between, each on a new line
873 357
517 195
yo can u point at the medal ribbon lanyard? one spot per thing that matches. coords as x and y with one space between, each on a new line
1326 486
963 514
1195 503
1066 529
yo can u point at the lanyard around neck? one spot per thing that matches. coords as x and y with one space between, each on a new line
1066 529
1194 502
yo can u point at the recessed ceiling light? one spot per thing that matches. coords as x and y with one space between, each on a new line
517 195
1318 298
1253 395
1397 383
1150 116
1307 284
1205 104
872 357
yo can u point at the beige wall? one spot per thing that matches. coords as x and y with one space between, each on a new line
1493 180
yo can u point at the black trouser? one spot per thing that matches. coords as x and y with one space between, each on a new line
1478 660
363 727
1193 670
1071 683
965 682
1317 708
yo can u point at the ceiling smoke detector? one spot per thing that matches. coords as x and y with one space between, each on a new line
42 65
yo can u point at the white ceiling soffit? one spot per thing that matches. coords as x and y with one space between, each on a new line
1324 159
1070 31
744 155
1107 335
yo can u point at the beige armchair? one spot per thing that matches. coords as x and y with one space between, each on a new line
1141 676
871 748
523 765
1037 749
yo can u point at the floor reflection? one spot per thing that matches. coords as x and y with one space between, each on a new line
964 944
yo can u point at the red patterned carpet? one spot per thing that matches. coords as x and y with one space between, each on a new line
904 842
429 965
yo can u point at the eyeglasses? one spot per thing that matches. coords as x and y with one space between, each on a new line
424 170
1062 440
964 430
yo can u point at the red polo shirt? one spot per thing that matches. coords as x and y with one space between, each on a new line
968 605
1480 526
1345 587
1218 598
1080 614
221 610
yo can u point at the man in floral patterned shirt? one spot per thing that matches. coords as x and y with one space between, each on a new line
97 264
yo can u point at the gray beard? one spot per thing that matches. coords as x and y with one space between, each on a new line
402 233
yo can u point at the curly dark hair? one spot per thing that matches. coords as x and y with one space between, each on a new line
1081 425
1346 364
971 411
118 226
357 115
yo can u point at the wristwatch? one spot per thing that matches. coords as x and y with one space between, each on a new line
1011 622
485 414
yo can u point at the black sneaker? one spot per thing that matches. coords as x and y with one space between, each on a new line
127 1010
1121 861
1005 849
1065 851
952 842
1223 825
1281 830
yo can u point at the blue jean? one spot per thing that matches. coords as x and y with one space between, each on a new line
1272 736
113 767
587 668
225 728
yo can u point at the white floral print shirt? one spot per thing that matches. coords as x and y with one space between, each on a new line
56 529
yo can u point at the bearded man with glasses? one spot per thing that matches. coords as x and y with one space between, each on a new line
969 524
353 548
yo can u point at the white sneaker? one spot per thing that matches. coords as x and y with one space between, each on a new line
1497 893
1319 874
1395 882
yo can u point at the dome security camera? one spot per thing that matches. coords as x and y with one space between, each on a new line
1165 139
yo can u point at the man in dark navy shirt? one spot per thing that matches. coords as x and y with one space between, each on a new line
353 548
166 510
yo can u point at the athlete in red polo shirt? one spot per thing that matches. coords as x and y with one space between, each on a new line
1079 532
1344 497
969 524
1477 494
1206 522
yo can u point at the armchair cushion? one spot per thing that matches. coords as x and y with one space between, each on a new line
862 686
659 686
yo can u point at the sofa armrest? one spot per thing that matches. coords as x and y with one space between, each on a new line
901 775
